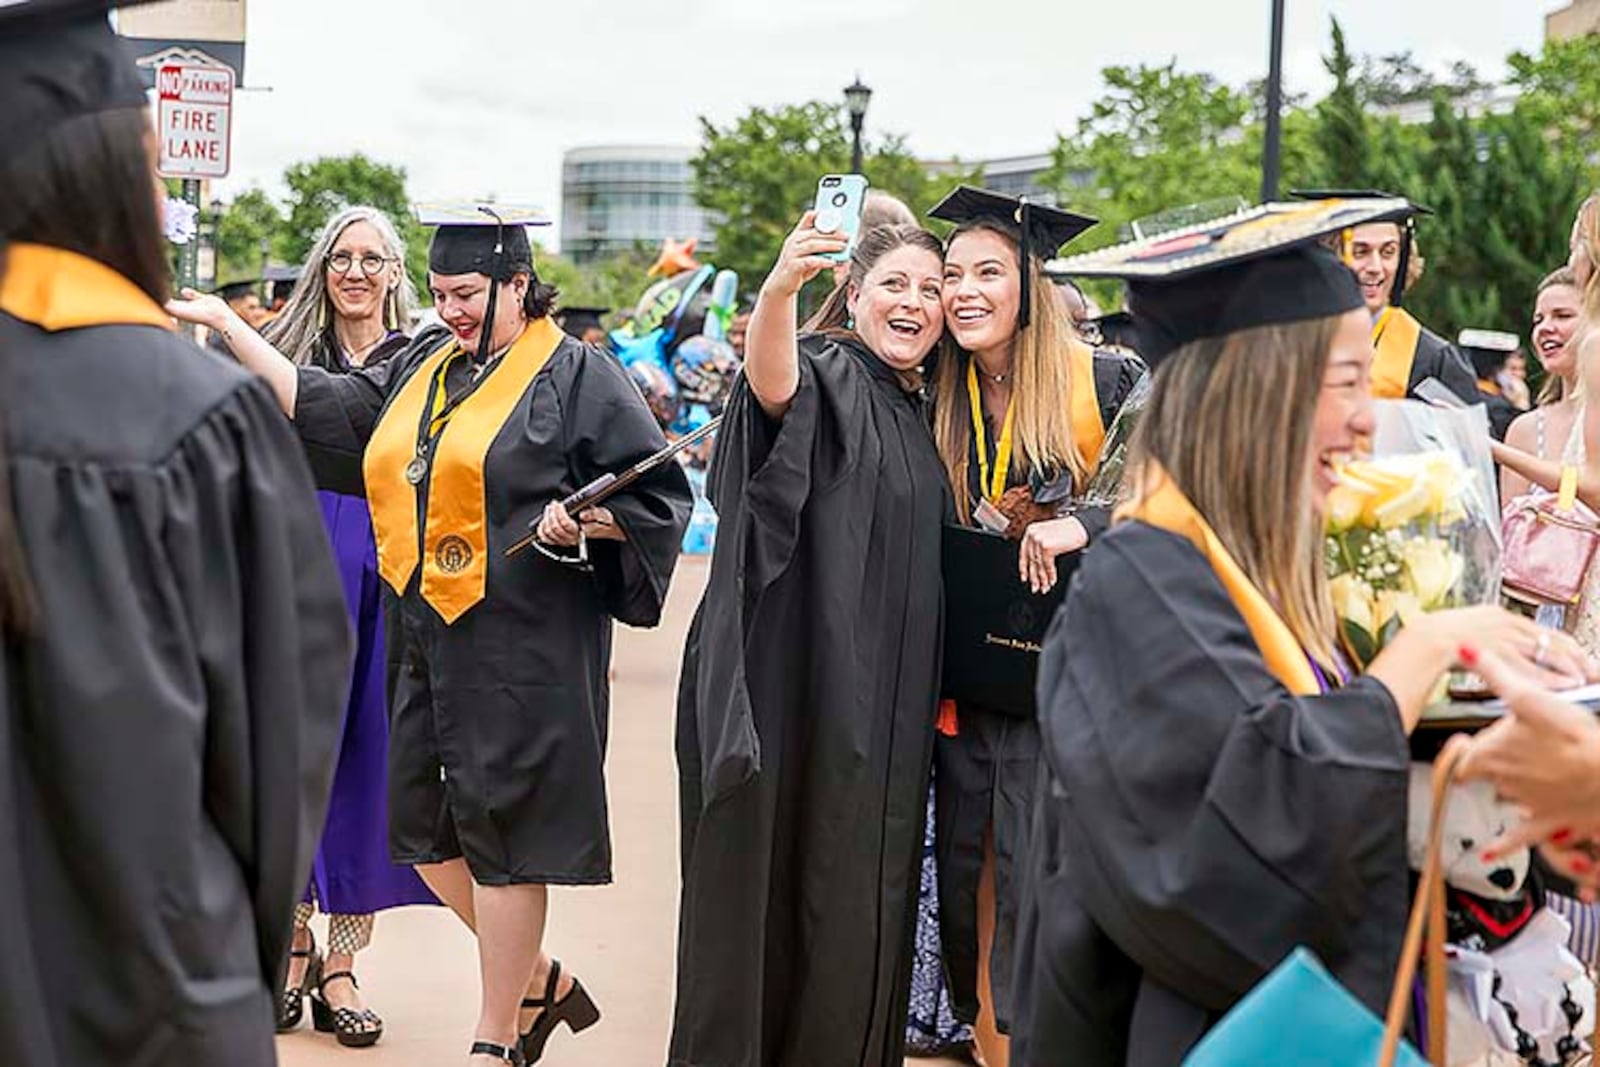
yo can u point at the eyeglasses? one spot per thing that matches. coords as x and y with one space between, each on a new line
371 263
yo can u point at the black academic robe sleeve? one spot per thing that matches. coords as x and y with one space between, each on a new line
1115 376
1212 820
1438 358
607 429
335 413
252 564
762 474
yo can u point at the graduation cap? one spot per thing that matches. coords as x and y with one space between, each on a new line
1116 329
59 61
1042 228
1487 349
283 279
238 290
1262 266
1406 220
577 321
487 239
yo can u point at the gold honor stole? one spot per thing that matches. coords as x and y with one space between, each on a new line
1165 506
1394 339
1088 432
60 290
453 545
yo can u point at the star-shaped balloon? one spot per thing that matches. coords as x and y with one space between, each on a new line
676 257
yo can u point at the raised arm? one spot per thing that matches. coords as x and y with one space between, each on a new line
771 357
248 346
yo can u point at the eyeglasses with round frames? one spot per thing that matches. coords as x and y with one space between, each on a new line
371 263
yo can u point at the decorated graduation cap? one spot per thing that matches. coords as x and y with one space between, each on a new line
578 320
1262 266
60 61
1406 220
487 239
1042 228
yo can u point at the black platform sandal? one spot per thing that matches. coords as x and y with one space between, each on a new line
576 1009
292 1005
353 1028
505 1052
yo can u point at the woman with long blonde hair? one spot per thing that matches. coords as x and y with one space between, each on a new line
1218 790
1021 407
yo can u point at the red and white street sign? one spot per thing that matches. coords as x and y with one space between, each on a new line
194 118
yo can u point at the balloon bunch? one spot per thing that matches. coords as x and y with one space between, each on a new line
675 344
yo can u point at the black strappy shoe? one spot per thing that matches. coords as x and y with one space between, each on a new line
354 1028
576 1009
292 1005
511 1055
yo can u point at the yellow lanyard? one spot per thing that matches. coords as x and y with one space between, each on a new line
995 488
1381 321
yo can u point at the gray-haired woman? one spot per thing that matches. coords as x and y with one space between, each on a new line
348 310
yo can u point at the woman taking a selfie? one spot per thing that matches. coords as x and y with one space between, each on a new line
1220 791
810 679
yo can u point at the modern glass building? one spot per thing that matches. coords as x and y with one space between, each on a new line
614 197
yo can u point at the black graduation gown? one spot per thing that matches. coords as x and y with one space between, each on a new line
1437 358
169 724
984 776
1198 821
498 721
805 725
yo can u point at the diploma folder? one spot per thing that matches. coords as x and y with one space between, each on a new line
994 624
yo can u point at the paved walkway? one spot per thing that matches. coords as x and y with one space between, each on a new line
421 973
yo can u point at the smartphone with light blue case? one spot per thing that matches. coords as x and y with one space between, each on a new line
839 201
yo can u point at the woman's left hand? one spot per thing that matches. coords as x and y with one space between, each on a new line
599 524
201 309
1042 542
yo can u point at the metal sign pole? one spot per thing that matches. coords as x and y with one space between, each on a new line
189 258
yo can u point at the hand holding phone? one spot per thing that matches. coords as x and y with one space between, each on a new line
838 206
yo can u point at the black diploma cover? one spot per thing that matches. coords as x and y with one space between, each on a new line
994 624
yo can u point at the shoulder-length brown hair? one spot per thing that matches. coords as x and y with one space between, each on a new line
1041 387
1230 422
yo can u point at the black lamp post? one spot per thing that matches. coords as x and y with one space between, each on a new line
856 98
1272 149
217 210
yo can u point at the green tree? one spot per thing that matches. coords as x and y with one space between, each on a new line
318 189
759 173
246 226
1560 89
1341 127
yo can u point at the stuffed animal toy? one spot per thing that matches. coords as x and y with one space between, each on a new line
1517 995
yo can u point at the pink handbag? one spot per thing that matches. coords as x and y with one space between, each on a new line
1550 541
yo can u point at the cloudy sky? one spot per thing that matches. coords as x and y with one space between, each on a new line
479 97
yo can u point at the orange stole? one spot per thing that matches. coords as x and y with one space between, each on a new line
1166 507
1394 340
1087 429
453 546
60 290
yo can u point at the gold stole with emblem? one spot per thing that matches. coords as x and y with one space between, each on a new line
453 545
1394 339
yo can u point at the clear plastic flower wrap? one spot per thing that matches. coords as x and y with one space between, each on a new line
1106 487
1415 526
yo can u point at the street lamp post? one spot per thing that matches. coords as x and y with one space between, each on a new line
1272 148
856 98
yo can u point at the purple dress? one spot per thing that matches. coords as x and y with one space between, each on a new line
352 874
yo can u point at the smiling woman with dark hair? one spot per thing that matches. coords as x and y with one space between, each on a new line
175 646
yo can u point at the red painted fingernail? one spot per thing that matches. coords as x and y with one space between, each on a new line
1468 655
1561 837
1489 855
1581 865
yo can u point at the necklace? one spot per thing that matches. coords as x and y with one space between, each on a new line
998 379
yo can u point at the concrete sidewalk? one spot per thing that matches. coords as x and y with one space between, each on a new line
421 973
